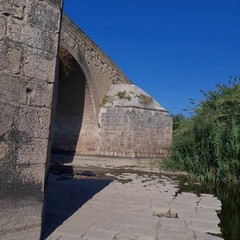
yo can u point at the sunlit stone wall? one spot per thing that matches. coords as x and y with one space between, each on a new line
133 125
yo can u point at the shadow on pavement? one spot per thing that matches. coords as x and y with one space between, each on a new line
65 195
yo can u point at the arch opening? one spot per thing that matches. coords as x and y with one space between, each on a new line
70 104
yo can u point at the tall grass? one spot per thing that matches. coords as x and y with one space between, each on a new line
207 145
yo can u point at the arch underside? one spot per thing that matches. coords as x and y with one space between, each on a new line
75 123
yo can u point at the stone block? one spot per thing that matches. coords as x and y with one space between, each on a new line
38 38
14 27
36 93
38 67
55 3
14 8
12 212
10 56
100 234
4 150
33 174
9 88
29 51
29 153
32 234
42 16
7 169
8 112
3 24
70 41
33 121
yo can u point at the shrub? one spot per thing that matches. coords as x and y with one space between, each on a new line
207 145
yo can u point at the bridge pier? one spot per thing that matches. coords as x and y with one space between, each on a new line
29 39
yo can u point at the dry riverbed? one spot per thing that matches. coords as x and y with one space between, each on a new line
98 203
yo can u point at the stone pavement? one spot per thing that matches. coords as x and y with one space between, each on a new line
132 207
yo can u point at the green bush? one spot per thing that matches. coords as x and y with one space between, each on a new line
207 145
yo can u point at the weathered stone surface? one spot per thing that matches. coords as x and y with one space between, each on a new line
42 16
36 65
8 112
14 27
29 153
55 3
23 235
4 150
36 93
129 95
135 129
32 174
33 37
3 24
39 39
22 218
9 88
34 121
10 56
28 56
14 8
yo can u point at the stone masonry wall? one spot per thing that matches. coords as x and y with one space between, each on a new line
29 37
134 132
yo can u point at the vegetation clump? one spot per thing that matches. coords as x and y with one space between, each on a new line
144 99
66 61
107 99
123 95
207 145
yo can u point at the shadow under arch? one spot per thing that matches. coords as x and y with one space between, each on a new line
70 105
65 194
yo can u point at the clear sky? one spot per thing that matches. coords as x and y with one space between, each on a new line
172 49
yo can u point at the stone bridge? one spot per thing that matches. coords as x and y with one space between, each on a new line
85 123
61 93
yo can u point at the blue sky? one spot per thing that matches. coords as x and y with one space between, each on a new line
172 49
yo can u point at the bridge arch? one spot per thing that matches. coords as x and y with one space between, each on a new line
80 133
100 128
